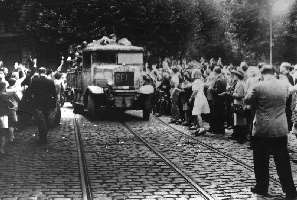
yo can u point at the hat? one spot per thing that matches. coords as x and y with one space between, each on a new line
286 65
239 73
267 69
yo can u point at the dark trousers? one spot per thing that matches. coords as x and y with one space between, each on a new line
262 149
239 133
229 112
219 118
250 115
210 115
42 121
289 118
181 100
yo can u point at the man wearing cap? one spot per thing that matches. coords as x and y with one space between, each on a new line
270 131
44 97
240 121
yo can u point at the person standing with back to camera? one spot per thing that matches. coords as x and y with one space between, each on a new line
44 98
270 131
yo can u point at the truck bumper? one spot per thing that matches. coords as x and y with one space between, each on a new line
127 101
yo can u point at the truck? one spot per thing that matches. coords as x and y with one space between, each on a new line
112 77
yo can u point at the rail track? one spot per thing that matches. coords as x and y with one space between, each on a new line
201 191
84 177
87 193
153 147
227 156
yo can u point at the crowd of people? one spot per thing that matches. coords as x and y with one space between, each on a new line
258 103
31 92
193 93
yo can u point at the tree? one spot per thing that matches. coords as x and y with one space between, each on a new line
247 29
232 29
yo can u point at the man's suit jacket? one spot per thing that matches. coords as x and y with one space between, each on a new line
219 87
44 93
268 99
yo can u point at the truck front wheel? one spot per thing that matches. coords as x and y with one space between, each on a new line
146 114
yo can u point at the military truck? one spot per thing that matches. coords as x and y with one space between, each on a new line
111 78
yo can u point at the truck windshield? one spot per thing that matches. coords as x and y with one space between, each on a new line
130 58
104 57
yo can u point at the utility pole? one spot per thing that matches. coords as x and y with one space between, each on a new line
270 34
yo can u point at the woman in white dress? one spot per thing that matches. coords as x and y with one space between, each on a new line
200 103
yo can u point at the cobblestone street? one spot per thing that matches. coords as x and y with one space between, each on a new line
31 171
148 100
120 166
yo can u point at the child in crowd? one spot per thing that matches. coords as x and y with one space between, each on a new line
200 103
187 108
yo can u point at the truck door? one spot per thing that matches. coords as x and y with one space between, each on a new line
86 71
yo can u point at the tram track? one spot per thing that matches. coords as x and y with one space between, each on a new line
159 149
86 183
83 168
192 182
227 156
201 161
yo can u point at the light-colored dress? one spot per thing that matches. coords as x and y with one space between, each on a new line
200 104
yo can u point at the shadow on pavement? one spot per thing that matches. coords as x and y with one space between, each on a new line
113 115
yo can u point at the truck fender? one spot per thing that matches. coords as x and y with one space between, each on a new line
96 90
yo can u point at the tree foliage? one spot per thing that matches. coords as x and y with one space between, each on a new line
232 29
